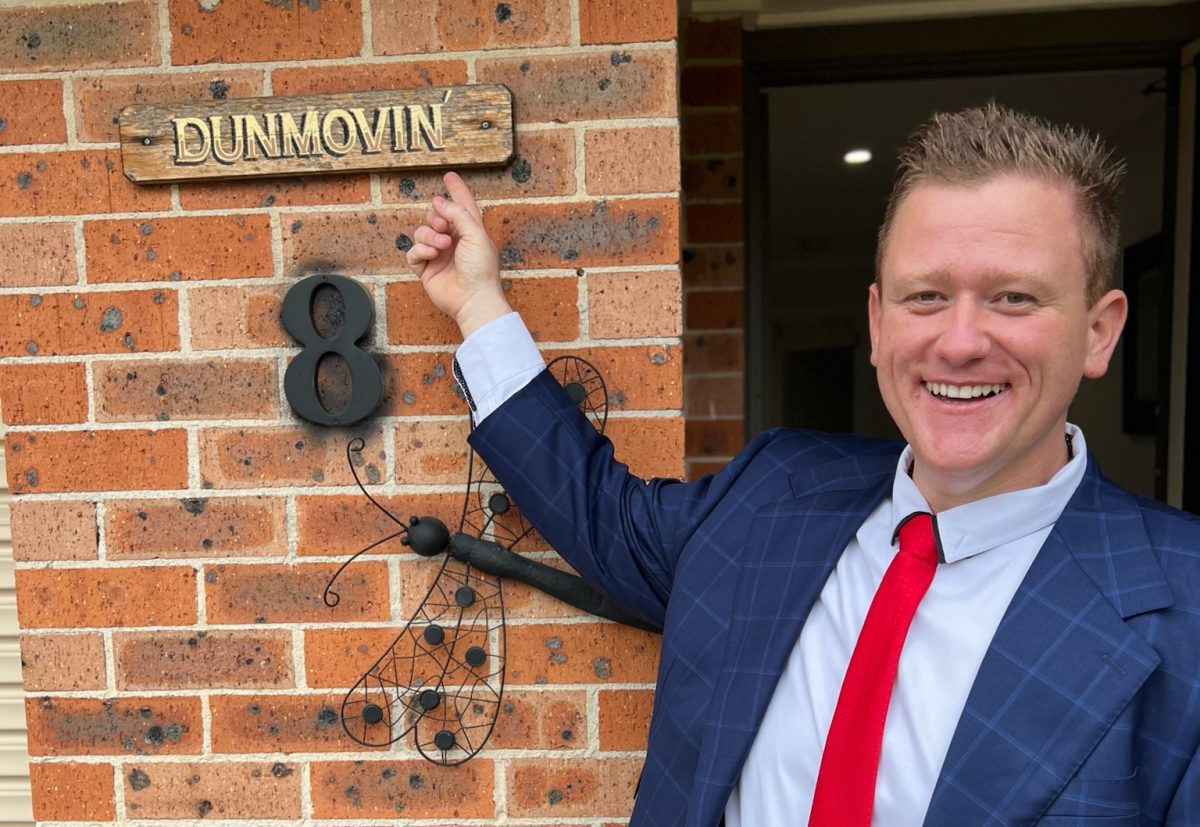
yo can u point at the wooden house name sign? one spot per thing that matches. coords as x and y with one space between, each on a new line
253 137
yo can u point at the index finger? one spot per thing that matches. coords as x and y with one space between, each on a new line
460 193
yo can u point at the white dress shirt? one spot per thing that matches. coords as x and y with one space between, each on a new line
988 545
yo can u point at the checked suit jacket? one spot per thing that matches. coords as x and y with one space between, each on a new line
1085 710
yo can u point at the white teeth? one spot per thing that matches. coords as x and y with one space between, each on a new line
963 391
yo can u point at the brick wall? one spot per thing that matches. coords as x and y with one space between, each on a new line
175 523
713 263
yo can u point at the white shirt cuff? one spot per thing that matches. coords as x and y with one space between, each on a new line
495 362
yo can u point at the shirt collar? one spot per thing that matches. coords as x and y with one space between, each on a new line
975 527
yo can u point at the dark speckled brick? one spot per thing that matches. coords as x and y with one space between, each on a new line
87 36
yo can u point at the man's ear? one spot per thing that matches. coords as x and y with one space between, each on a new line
1106 320
873 319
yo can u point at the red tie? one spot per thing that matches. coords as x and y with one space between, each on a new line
845 793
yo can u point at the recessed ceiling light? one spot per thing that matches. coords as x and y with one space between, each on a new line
857 156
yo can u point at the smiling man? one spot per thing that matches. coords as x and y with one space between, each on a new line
975 627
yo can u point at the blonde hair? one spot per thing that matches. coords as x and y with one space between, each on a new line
977 144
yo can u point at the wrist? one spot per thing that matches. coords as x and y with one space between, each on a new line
480 310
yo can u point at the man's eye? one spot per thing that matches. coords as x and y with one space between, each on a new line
1015 299
927 297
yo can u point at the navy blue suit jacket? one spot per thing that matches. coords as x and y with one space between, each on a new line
1085 710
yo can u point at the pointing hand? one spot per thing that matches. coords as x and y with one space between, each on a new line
456 261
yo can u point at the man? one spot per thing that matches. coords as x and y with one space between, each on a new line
1031 657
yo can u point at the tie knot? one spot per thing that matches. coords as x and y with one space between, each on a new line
918 537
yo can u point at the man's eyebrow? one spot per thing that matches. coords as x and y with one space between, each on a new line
991 279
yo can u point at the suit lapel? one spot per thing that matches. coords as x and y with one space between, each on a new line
1061 667
791 549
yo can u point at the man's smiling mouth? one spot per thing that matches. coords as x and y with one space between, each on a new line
945 391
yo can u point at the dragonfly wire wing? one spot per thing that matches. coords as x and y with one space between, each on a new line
442 678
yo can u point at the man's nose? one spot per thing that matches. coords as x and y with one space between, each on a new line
965 336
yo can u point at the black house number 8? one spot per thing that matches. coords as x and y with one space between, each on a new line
300 379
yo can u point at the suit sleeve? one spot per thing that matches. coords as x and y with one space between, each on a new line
622 533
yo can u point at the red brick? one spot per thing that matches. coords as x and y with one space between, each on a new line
621 161
195 527
549 307
713 223
588 234
714 266
98 461
714 309
237 317
34 255
52 663
412 320
72 792
706 133
86 36
276 192
543 164
416 384
711 39
626 21
570 787
43 394
279 723
712 352
218 790
711 85
186 389
536 719
203 660
699 468
245 32
583 87
65 324
413 789
114 726
625 718
32 112
360 76
634 305
714 437
100 99
580 653
637 378
651 447
292 593
53 530
102 597
161 249
363 242
72 182
713 178
711 396
421 26
339 657
431 453
340 525
285 456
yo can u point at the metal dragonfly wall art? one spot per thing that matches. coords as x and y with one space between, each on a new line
442 678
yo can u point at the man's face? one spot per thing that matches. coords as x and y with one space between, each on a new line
980 332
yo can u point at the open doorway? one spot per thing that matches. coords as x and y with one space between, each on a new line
812 94
824 212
